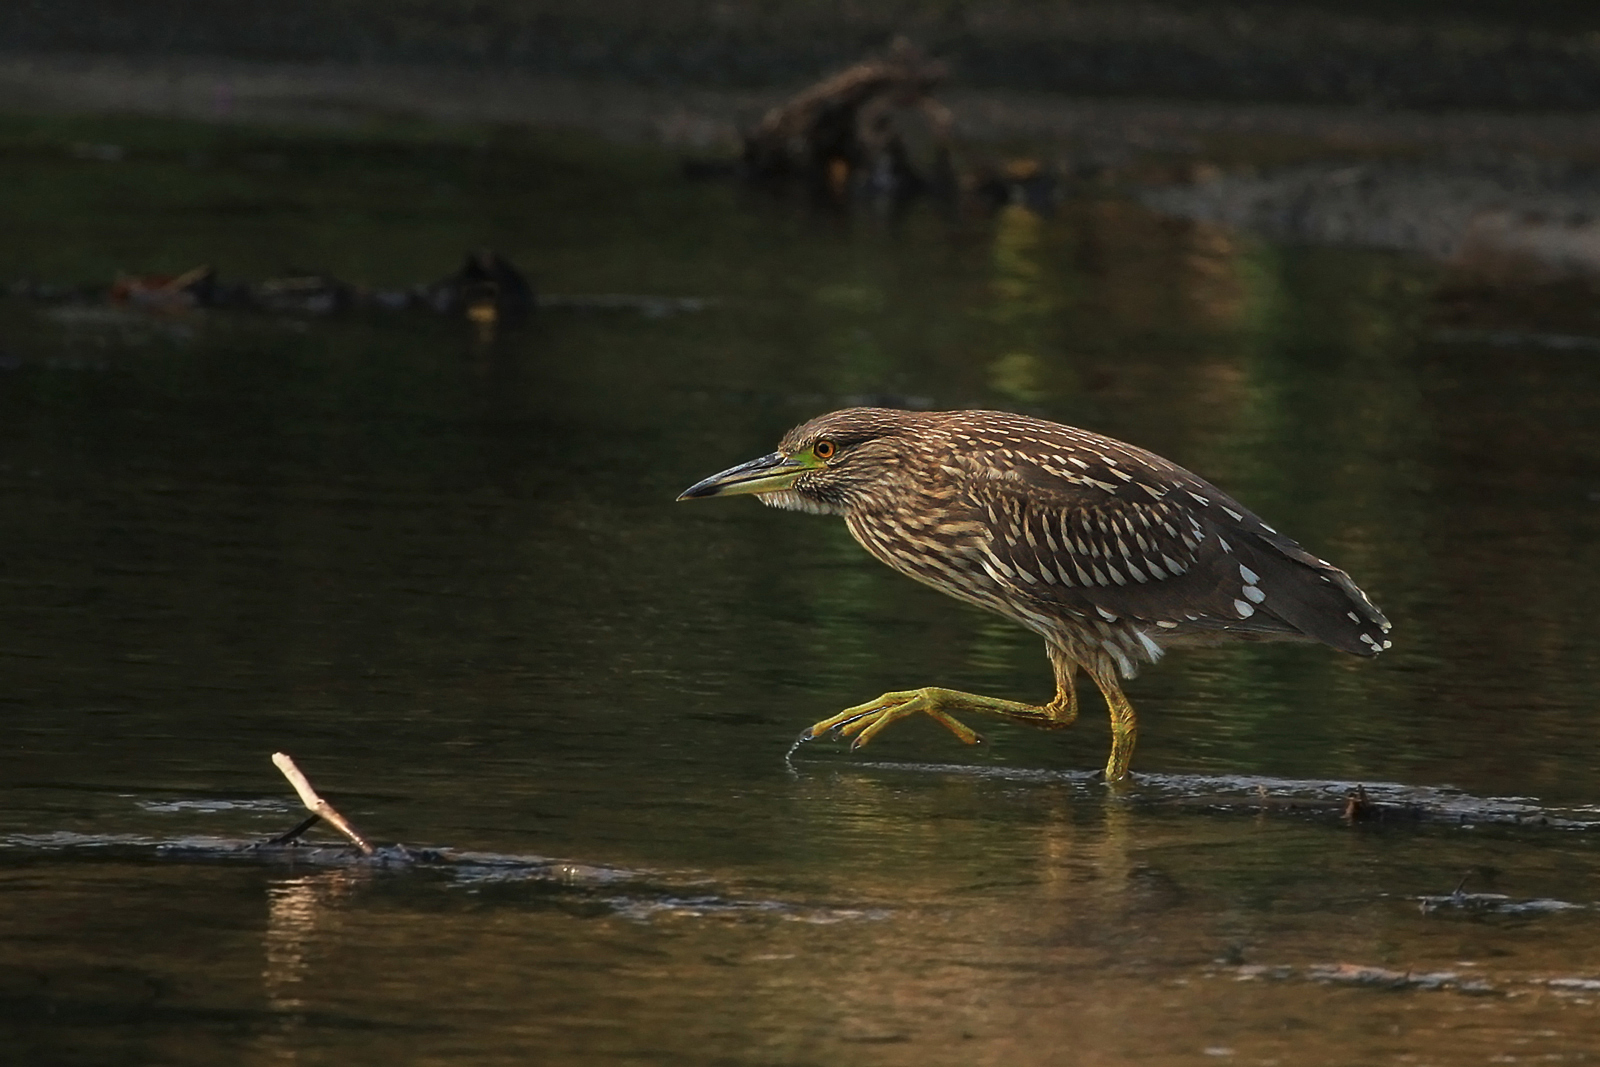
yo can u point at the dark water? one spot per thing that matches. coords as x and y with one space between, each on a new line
445 571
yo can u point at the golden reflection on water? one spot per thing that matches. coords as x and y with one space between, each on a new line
1216 276
300 912
1023 301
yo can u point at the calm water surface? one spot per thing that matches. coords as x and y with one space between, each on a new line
445 571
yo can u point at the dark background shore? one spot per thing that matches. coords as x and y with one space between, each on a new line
1482 79
1488 53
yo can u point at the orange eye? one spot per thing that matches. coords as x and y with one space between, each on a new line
823 450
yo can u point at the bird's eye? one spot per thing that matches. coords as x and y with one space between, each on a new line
823 449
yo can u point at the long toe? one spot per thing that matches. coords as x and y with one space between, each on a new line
964 733
851 715
880 721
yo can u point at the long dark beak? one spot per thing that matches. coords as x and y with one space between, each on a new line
768 474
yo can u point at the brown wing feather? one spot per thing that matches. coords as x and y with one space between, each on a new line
1158 545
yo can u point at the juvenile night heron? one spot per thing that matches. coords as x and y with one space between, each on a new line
1109 552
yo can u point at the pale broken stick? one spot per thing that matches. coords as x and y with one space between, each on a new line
319 808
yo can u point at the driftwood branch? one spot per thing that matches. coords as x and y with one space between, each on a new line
847 125
319 808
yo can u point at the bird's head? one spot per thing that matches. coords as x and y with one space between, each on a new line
832 464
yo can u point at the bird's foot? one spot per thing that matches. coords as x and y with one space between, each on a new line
866 721
1116 785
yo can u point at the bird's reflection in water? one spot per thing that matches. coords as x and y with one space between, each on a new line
1069 843
1003 899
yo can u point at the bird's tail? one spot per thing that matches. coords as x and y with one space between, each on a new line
1316 598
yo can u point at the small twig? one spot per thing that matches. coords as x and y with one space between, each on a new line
294 835
315 804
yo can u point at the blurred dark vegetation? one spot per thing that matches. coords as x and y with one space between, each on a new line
1406 53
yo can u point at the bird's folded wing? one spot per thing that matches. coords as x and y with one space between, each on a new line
1173 552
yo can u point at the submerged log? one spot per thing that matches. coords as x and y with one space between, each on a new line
487 287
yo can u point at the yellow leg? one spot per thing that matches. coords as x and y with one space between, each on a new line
1124 724
1064 708
866 721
